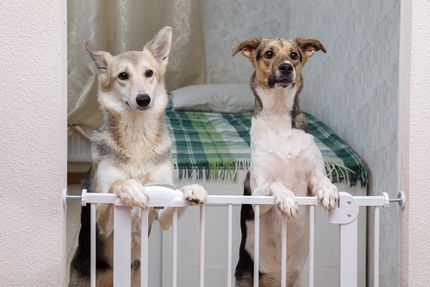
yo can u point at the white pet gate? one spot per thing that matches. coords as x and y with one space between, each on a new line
345 215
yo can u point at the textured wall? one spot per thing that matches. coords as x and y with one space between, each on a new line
354 89
414 142
32 143
228 22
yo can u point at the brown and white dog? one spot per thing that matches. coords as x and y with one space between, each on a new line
130 150
285 161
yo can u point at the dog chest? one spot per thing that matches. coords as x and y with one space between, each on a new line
281 151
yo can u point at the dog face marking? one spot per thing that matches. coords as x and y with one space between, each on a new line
278 62
278 65
133 77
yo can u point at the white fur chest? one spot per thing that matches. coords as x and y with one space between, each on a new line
279 153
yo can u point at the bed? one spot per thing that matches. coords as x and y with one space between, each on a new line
215 146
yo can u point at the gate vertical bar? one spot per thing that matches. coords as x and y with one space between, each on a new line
376 250
348 254
284 237
202 245
93 244
122 246
144 251
256 244
311 245
229 243
175 248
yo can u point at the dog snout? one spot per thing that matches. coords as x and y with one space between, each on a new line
143 100
285 68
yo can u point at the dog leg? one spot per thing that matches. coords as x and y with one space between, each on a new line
285 199
104 279
244 282
263 189
194 193
322 187
300 122
130 191
110 178
165 216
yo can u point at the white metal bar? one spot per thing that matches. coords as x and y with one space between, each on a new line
175 248
311 246
229 243
254 200
202 245
122 247
144 249
379 200
93 245
348 254
256 245
231 199
284 237
376 249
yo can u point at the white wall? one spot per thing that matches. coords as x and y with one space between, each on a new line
32 142
414 142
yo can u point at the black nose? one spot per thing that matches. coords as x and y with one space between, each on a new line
143 100
285 68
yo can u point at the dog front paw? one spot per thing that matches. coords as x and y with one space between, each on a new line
130 192
195 193
327 193
286 201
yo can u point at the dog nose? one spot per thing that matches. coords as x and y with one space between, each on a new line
143 100
285 68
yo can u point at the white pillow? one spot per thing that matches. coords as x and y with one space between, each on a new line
230 98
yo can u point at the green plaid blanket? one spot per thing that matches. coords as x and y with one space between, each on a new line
216 146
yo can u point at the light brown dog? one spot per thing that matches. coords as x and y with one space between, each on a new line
285 161
130 150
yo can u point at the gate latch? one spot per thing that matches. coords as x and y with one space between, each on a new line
346 211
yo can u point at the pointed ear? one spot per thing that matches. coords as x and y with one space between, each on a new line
100 58
247 47
309 47
161 44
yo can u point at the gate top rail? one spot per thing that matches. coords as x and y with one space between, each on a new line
168 196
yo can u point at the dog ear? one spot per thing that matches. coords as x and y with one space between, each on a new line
100 58
309 47
161 44
247 47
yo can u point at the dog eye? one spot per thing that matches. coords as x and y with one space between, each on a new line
268 55
149 73
294 56
123 76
